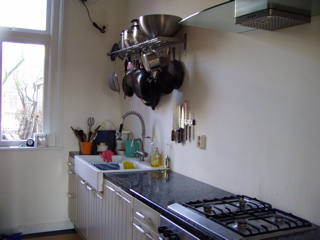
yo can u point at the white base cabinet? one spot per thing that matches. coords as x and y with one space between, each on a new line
90 212
118 212
109 215
72 191
82 208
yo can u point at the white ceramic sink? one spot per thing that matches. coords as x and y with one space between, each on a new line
94 176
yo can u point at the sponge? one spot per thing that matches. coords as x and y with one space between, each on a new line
128 165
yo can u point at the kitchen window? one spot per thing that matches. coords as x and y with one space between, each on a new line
30 70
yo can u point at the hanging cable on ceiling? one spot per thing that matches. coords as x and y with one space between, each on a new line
102 30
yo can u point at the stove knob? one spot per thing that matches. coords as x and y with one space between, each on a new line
161 229
174 236
167 233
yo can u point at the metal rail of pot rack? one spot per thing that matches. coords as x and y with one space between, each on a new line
154 43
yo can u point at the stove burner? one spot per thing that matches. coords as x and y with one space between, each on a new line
241 225
278 218
207 208
242 204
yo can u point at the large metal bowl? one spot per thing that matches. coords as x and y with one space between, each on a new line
160 25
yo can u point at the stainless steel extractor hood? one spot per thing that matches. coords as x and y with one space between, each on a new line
272 14
222 17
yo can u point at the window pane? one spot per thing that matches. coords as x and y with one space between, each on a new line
22 90
28 14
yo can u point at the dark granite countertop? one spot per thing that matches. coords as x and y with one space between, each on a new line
158 189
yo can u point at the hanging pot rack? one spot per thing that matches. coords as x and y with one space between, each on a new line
154 43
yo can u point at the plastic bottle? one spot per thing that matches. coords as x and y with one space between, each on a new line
155 157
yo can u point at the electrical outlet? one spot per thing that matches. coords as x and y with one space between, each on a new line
201 141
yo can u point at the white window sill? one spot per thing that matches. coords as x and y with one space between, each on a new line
28 148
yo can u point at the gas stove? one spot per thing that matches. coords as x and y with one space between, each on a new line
240 217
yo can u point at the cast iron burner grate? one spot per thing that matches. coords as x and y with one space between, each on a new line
247 216
220 206
261 221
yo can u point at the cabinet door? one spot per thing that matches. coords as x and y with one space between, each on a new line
82 207
72 196
72 191
91 211
142 232
91 214
100 216
119 213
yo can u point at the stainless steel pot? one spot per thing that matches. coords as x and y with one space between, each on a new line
137 35
151 61
122 45
128 37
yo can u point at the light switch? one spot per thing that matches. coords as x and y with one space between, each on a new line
201 141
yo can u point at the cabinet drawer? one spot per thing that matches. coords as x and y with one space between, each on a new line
142 232
146 215
71 164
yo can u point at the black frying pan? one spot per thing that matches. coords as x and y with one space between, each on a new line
176 70
165 81
150 95
128 91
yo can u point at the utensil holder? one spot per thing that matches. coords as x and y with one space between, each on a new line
85 148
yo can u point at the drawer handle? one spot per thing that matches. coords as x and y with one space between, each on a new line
82 182
89 188
71 195
149 236
70 164
142 231
110 188
98 195
119 194
71 172
141 215
139 228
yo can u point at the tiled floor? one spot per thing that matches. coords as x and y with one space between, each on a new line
72 236
59 235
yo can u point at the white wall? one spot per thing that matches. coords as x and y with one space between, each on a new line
33 183
256 98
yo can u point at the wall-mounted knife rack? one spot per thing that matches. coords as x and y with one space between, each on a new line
186 122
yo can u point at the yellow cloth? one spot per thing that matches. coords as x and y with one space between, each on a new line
128 165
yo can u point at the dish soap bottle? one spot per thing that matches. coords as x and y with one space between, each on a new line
155 157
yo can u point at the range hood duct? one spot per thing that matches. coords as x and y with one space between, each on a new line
272 14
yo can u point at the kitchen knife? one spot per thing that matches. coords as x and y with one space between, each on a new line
173 132
186 117
190 118
179 125
182 124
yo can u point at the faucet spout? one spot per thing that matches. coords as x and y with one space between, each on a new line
142 154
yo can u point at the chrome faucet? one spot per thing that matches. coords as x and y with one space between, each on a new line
142 154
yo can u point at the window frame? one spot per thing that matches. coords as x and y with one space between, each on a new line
52 39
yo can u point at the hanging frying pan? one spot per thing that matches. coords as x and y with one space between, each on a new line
164 80
150 95
176 70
